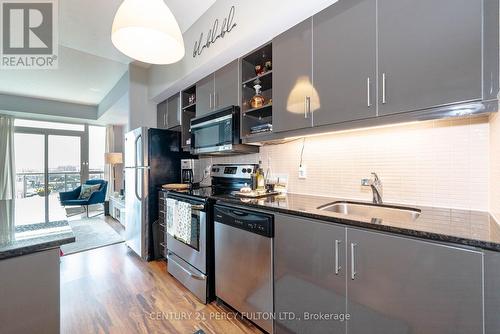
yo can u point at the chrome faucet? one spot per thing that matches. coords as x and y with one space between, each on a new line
376 186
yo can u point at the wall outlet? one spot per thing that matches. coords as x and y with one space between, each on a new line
302 172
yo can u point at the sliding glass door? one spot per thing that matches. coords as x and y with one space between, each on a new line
50 158
30 178
64 170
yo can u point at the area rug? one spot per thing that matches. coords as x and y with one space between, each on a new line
90 233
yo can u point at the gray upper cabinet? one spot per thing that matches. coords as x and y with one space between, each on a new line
161 115
218 90
204 95
344 58
401 285
174 111
430 53
292 78
168 113
309 274
227 83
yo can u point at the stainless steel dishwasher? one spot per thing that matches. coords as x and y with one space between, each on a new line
243 262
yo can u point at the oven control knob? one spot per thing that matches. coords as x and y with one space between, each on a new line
244 170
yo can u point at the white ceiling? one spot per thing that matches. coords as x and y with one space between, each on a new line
89 65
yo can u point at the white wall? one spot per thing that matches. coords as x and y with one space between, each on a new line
443 163
258 21
142 110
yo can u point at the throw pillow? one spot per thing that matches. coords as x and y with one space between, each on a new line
87 190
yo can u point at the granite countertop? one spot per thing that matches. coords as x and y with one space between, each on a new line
37 237
469 228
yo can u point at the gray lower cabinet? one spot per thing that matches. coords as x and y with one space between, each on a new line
292 78
30 293
204 95
226 87
174 112
393 284
401 285
161 115
306 281
344 58
430 53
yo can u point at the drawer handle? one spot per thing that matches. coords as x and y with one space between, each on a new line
164 245
198 277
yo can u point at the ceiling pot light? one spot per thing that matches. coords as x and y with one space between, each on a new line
147 31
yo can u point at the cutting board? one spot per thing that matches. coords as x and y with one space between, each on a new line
256 194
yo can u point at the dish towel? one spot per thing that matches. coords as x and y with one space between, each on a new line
183 228
171 215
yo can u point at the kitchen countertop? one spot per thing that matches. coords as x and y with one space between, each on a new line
463 227
37 237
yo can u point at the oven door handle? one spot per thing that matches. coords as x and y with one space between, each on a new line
198 277
199 207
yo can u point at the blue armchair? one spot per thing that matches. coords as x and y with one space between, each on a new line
70 198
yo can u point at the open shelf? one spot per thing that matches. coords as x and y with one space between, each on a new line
261 112
264 78
256 57
255 137
190 107
252 117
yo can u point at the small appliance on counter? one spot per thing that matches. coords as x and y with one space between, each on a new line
190 171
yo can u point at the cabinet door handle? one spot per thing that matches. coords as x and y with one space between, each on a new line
384 79
307 106
353 262
368 100
210 100
337 265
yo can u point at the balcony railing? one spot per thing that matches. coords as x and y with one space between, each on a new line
31 184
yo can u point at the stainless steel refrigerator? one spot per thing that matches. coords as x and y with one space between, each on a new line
152 158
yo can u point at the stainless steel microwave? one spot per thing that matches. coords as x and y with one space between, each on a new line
218 133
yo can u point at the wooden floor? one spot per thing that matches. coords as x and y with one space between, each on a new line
110 290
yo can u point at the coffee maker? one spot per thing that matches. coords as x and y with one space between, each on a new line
189 171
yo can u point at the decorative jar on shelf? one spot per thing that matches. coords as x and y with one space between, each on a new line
257 100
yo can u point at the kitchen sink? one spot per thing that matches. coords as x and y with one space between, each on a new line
373 211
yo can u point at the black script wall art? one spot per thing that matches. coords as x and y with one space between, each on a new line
214 33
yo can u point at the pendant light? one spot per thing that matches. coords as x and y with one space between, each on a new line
146 30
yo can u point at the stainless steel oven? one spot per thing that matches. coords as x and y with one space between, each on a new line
219 133
186 235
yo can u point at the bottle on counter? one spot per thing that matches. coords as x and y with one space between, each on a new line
253 182
261 184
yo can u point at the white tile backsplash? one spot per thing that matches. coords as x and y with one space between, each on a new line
495 166
443 163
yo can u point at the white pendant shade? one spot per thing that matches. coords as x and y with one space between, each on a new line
146 30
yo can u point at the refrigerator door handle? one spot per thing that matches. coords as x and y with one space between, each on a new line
136 171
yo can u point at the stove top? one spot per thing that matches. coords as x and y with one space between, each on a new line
226 179
204 192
